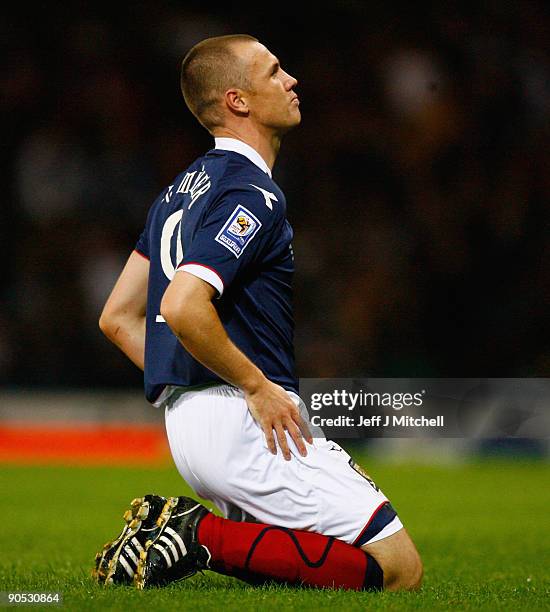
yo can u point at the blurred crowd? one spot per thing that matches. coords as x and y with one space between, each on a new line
418 184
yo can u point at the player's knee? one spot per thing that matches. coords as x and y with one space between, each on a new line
399 560
412 576
406 574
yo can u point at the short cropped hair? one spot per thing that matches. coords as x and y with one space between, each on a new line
207 71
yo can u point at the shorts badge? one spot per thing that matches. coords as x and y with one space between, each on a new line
363 473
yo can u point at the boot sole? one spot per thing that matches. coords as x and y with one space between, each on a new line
138 512
164 517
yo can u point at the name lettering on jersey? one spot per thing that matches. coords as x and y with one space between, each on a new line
195 183
168 194
267 195
238 230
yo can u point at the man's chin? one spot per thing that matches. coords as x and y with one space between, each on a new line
292 123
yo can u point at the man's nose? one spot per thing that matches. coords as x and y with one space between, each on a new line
291 81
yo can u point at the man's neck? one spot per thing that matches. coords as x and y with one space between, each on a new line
266 145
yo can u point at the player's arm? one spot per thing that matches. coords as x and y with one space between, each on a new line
188 309
123 317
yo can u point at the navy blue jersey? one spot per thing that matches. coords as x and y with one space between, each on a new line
223 220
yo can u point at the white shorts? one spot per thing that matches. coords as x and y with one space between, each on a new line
221 452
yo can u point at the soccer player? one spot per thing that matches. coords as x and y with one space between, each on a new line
203 305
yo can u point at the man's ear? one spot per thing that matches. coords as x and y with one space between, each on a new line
236 101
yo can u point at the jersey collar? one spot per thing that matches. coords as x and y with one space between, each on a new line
238 146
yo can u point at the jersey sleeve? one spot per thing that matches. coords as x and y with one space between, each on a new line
232 236
142 245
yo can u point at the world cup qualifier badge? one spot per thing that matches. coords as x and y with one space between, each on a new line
238 230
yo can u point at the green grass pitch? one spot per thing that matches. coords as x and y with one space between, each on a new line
483 531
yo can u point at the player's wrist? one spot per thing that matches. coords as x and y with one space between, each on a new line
254 382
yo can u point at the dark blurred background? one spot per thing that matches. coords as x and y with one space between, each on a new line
418 183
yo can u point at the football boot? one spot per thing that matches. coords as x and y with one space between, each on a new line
116 563
174 553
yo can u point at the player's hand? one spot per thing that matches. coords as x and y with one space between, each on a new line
274 411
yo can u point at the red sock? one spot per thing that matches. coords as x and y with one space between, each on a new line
255 551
